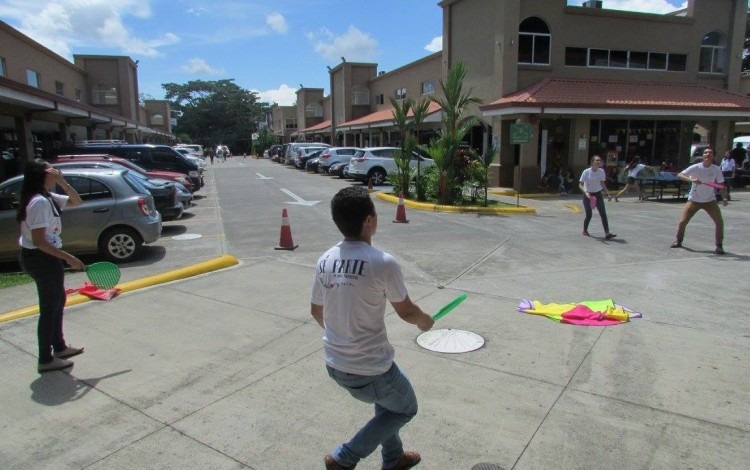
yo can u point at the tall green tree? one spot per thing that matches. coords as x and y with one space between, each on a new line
408 116
213 112
454 102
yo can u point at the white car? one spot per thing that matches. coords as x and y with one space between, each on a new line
195 148
193 157
376 163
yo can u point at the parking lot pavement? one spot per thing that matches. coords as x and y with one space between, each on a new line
225 370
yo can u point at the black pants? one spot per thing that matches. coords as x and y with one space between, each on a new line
47 272
599 207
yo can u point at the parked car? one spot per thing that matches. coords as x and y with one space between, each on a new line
195 148
192 156
150 157
376 163
304 154
312 165
291 150
164 192
334 155
180 178
116 219
339 169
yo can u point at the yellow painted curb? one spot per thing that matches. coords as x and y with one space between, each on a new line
194 270
573 207
457 209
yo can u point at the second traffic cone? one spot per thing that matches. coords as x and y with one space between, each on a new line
401 210
285 238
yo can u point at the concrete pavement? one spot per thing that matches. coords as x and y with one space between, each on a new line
225 370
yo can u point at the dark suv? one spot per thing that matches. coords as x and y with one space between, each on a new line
150 157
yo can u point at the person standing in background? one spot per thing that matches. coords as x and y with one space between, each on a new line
703 197
43 259
592 183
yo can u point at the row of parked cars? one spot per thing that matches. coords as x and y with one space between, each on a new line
127 191
370 164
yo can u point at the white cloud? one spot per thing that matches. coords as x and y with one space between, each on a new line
355 45
644 6
277 22
284 95
199 66
61 25
435 45
197 11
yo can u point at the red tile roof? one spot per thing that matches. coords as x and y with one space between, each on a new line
588 93
317 127
383 116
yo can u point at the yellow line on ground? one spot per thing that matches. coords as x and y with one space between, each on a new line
442 208
573 207
177 274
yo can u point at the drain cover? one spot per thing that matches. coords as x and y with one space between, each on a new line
187 236
450 341
486 466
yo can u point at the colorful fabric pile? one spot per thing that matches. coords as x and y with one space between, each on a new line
589 312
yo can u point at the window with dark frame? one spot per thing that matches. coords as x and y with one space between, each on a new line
534 42
59 88
713 53
604 58
32 78
2 66
428 87
400 94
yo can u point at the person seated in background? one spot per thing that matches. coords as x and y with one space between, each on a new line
549 182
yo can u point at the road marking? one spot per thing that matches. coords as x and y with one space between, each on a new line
261 177
298 200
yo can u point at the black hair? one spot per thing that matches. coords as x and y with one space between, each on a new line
636 160
33 184
350 208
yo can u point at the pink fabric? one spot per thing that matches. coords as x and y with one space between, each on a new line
592 202
582 315
90 290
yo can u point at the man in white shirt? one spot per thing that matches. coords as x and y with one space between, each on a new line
352 282
702 196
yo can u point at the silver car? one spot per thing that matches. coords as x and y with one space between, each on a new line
116 219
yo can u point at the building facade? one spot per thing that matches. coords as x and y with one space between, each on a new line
47 102
588 80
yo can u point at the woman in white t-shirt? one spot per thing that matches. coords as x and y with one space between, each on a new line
633 168
43 259
592 183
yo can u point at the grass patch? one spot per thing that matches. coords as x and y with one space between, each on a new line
14 279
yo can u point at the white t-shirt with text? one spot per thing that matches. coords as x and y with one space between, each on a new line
702 192
353 281
40 213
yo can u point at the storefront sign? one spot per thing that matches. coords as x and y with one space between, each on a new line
520 133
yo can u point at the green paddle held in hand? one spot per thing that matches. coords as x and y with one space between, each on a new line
104 275
453 304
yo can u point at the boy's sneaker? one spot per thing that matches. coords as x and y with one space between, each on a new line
69 351
55 364
408 460
719 250
332 464
676 245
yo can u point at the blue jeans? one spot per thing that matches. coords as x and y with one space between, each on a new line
47 272
395 405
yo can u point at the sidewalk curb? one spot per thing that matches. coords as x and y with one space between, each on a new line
461 209
177 274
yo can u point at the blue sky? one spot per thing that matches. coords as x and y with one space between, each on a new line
268 46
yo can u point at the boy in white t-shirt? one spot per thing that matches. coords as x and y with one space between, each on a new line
352 282
703 196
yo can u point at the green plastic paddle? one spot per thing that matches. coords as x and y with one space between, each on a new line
104 275
453 304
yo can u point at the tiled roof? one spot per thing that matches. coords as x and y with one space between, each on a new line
317 127
383 116
588 93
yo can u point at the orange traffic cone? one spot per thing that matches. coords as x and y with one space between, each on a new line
401 210
369 185
285 238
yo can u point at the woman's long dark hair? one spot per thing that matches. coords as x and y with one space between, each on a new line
636 160
33 184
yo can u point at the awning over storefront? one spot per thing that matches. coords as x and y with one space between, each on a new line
606 97
321 128
384 118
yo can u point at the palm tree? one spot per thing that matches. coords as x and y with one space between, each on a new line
407 127
454 102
